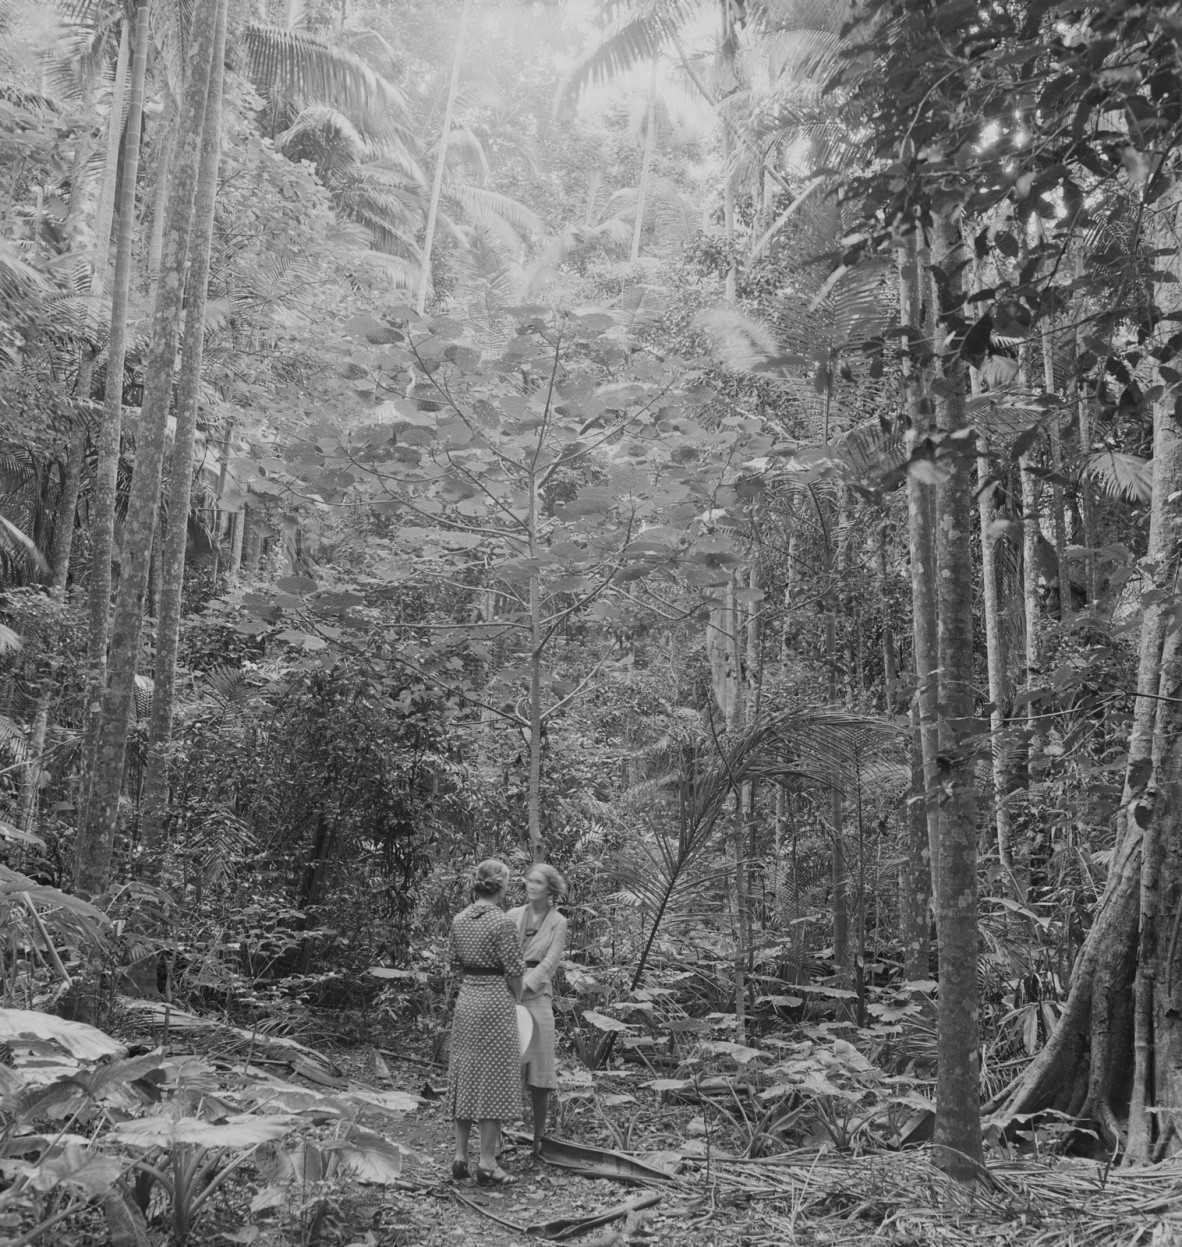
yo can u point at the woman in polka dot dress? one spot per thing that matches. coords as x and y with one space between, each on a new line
484 1067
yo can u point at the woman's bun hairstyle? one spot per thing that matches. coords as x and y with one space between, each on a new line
491 878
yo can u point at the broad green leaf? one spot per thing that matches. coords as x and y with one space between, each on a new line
741 1052
75 1165
87 1043
368 1157
242 1130
392 1103
297 584
9 832
602 1022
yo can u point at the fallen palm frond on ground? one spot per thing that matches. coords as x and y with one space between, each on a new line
902 1198
164 1020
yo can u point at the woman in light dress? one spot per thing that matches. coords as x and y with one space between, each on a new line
543 940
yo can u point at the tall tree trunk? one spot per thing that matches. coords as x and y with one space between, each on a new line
999 742
1084 430
646 164
727 64
1055 437
105 209
63 528
913 313
155 794
957 1147
102 528
916 899
441 162
890 669
735 725
168 124
96 841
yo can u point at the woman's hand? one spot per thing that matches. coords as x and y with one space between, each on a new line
513 982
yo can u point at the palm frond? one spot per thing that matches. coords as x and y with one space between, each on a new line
632 45
483 206
305 67
469 149
1122 475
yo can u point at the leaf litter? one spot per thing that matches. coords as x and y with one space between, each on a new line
694 1191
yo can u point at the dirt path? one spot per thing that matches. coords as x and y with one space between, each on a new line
449 1213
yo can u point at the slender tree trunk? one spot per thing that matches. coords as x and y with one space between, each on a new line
915 908
890 669
1058 521
155 794
168 122
97 841
102 528
440 164
105 210
957 1147
839 867
728 184
237 529
736 722
646 165
31 777
536 847
913 312
63 529
1000 747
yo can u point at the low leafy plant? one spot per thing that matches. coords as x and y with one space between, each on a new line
157 1137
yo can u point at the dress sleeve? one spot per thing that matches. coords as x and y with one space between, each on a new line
509 946
454 962
543 972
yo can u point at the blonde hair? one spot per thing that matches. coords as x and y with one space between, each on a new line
491 878
555 883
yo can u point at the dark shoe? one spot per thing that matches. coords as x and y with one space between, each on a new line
459 1169
536 1153
493 1177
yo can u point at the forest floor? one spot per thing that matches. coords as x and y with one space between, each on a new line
454 1214
720 1199
718 1182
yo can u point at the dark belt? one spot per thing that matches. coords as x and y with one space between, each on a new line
529 965
483 970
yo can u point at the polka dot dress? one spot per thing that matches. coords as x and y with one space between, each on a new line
484 1067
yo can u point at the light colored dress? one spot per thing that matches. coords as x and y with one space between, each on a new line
542 948
484 1065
